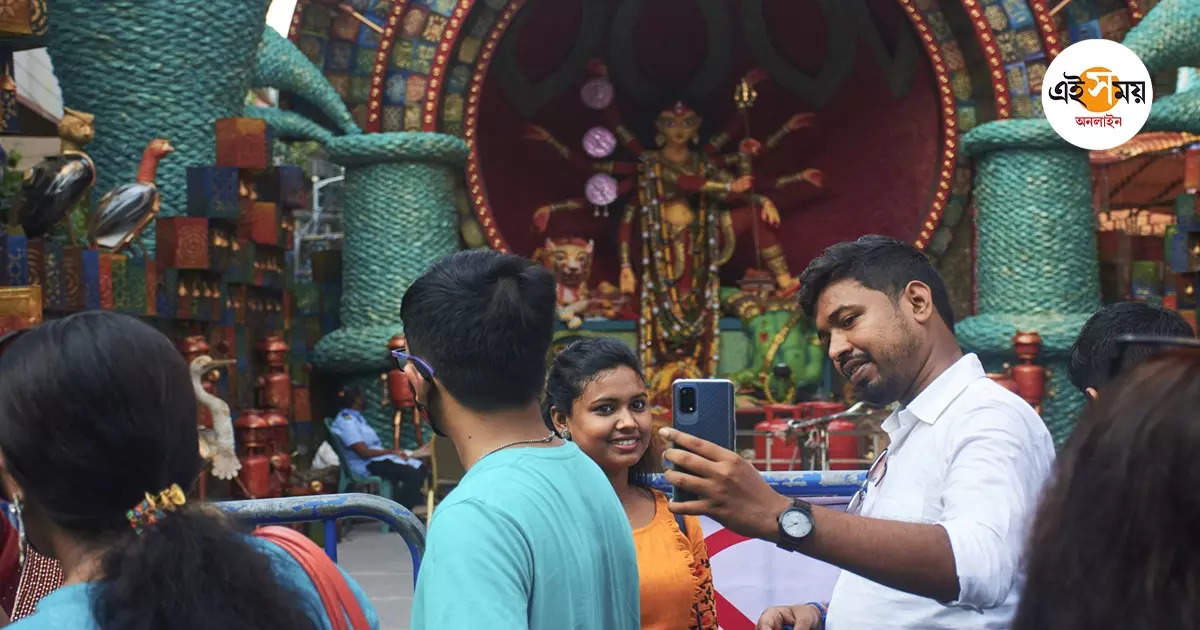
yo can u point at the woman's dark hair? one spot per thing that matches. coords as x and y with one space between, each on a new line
97 409
348 395
1114 544
579 364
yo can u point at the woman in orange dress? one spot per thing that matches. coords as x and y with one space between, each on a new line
596 397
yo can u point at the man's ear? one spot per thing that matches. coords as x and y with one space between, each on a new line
919 298
559 418
1091 393
414 377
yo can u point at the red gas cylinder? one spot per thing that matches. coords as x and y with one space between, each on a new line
839 446
782 450
255 476
843 446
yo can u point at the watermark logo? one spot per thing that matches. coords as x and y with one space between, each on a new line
1097 94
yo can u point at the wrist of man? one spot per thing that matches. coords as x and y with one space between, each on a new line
769 528
821 610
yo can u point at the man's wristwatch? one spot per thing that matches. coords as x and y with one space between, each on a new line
795 524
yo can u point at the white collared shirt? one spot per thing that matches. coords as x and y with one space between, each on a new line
971 456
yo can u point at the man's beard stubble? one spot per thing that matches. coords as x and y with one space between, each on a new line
894 371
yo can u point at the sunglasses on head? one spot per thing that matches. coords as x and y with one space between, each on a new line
400 358
1157 344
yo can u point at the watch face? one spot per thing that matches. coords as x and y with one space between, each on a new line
795 523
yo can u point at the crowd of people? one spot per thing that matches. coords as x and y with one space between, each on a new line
967 519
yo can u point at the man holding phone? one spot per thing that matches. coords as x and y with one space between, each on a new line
934 537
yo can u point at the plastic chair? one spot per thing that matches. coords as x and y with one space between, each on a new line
346 477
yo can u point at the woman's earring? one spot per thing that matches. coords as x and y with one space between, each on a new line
565 434
22 543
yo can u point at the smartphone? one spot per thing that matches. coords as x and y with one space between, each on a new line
703 408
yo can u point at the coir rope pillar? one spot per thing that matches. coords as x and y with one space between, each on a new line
154 68
1037 264
399 217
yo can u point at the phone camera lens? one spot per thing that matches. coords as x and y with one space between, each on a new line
687 400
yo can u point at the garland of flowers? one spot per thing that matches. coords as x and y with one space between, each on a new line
665 314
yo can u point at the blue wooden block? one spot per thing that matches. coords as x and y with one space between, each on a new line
1177 252
284 185
1145 281
1185 213
90 266
55 288
212 192
15 253
1019 15
166 298
1086 30
367 36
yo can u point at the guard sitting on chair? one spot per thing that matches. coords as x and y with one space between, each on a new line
365 453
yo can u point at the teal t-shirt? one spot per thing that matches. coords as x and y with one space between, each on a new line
71 606
531 538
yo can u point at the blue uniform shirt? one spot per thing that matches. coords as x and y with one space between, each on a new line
351 428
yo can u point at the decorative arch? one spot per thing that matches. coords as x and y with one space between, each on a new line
458 104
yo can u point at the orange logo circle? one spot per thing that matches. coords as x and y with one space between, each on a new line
1099 89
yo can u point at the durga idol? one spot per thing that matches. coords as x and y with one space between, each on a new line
689 211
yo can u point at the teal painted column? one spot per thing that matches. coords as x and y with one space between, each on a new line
1037 267
154 68
399 217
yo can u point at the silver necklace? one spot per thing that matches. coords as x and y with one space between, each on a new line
545 440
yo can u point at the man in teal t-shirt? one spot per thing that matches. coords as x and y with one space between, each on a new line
533 536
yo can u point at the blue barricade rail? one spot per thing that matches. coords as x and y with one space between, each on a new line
800 483
328 508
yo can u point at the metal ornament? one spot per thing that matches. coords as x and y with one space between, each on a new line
14 509
599 142
597 93
601 190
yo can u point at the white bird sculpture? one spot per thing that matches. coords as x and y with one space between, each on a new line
216 444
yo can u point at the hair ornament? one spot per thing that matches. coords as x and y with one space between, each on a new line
155 507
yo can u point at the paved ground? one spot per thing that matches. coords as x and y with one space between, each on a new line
381 564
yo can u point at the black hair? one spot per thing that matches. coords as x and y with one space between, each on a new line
348 395
1094 351
579 364
877 262
1114 540
97 409
483 321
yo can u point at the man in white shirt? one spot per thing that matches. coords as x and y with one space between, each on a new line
935 537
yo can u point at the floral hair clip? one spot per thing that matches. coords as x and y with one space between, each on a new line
155 507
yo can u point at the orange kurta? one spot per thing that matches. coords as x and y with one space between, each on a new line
676 581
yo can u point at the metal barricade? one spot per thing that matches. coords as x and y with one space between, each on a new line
801 483
804 443
327 509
